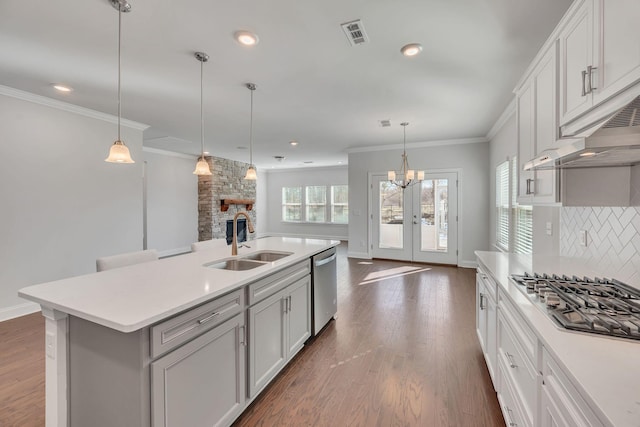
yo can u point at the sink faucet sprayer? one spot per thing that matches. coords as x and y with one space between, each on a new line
234 244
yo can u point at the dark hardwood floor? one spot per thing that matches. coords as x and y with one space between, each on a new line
403 352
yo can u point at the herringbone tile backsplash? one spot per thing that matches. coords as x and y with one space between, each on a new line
613 239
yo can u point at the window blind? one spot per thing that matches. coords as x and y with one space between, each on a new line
502 206
522 217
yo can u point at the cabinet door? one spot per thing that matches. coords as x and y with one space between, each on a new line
299 315
617 46
267 340
524 112
202 382
481 312
491 334
576 54
550 415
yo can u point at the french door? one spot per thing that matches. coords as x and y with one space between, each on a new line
418 223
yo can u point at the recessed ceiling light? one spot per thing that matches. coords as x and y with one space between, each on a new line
246 38
206 152
411 49
62 88
293 143
339 163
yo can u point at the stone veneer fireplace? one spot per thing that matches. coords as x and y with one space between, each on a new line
225 182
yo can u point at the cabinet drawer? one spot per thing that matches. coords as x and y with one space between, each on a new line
521 331
171 333
489 283
509 402
263 288
564 395
521 372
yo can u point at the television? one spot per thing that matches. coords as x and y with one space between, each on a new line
242 230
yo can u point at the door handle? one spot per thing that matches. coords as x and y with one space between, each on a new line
482 307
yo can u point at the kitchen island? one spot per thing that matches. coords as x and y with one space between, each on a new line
545 375
138 345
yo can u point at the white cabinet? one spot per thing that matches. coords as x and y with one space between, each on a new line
486 319
278 327
202 382
561 403
537 121
599 54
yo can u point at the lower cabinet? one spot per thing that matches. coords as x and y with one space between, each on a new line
279 325
202 382
486 316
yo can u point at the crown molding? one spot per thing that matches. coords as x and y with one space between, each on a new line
169 153
65 106
502 120
306 169
426 144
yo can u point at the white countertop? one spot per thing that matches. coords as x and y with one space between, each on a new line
606 369
129 298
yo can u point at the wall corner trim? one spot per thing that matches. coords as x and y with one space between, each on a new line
71 108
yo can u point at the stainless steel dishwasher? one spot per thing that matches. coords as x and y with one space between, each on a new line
325 289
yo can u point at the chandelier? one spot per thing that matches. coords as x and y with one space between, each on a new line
408 176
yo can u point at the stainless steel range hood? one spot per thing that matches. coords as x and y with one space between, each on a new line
612 141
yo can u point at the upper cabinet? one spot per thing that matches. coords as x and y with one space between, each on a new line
599 54
537 118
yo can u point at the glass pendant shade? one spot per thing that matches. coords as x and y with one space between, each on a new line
202 167
408 175
391 175
119 153
251 174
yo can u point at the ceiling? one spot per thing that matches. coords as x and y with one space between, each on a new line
312 85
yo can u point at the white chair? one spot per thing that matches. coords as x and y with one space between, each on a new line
208 244
122 260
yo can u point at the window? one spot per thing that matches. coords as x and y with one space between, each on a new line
292 204
502 206
320 204
316 203
340 204
514 223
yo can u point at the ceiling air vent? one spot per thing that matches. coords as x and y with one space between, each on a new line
355 32
385 123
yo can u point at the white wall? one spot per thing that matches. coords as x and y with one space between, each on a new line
262 186
62 204
172 201
473 206
303 177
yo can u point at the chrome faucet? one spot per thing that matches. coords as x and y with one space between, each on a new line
234 244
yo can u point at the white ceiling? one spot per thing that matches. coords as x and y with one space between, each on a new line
312 85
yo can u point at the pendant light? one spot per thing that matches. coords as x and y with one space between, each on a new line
202 167
408 175
119 153
251 171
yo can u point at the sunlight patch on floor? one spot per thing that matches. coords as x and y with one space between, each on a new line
391 273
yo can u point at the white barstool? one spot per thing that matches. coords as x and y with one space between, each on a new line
122 260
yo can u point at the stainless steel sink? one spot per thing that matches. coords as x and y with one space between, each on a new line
267 256
235 264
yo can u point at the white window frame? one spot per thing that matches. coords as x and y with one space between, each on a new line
328 205
519 219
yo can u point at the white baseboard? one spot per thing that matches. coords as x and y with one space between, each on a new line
172 252
468 264
307 236
12 312
359 255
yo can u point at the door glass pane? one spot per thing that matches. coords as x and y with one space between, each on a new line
434 215
391 216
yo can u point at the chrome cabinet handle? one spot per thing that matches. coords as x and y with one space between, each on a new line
482 307
243 337
509 412
590 78
286 305
208 318
289 302
512 364
529 190
584 86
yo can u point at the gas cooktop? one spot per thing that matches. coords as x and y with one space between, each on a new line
599 306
